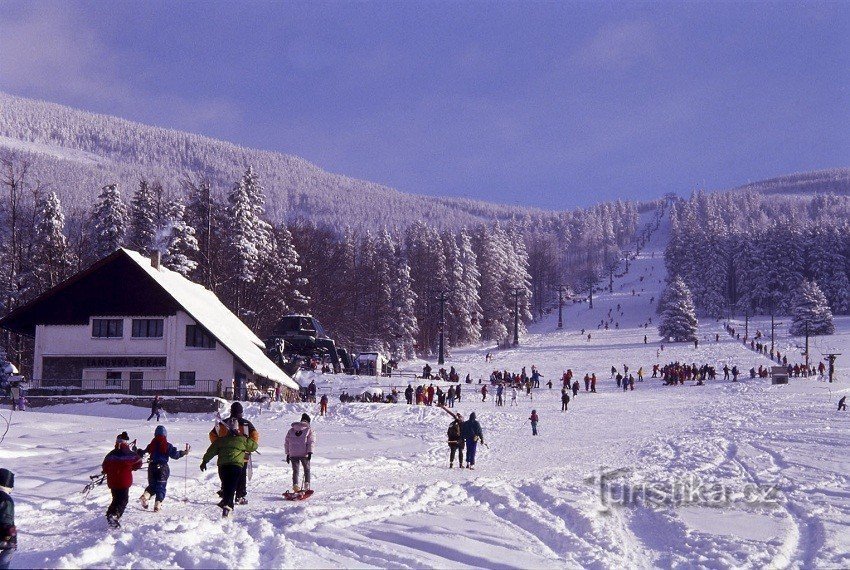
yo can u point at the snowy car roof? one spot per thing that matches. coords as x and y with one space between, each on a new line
208 311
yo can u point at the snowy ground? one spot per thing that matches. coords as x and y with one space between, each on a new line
385 497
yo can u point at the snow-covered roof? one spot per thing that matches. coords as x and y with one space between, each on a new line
209 312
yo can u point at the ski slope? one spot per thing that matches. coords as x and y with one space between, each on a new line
385 497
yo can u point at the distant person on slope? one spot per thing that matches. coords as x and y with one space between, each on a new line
565 400
576 388
156 408
455 440
472 434
298 445
158 471
842 404
534 419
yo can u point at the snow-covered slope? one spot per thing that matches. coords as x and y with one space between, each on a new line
385 498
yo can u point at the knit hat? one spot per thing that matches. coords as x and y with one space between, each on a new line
236 409
123 437
160 430
305 418
7 479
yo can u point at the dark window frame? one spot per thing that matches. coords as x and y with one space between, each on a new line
107 328
187 379
148 328
198 337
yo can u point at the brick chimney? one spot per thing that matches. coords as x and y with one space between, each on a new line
155 258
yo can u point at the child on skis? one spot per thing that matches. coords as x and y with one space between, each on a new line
231 451
534 419
8 531
158 471
119 465
298 446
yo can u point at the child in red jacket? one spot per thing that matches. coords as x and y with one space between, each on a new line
119 465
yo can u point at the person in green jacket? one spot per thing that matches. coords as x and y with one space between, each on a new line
231 452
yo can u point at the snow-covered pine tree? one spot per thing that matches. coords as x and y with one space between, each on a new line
51 255
248 236
678 321
811 312
493 266
518 277
400 321
468 322
427 260
109 221
824 262
278 287
179 245
142 234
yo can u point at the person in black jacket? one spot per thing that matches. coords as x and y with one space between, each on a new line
8 531
408 394
456 441
471 433
565 400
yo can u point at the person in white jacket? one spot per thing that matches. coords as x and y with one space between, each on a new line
298 445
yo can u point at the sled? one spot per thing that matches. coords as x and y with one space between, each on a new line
299 496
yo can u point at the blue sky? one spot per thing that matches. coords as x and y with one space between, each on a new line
539 103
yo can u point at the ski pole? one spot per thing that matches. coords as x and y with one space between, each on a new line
186 476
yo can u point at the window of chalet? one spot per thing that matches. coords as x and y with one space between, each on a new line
198 337
147 328
187 379
113 378
107 328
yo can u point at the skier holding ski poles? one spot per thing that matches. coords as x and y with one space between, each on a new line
158 471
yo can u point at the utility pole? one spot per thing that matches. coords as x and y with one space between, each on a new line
441 356
773 324
807 348
561 306
830 357
516 291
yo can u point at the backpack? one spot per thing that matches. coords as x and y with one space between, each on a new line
453 432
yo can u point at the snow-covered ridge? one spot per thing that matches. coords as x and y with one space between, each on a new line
77 152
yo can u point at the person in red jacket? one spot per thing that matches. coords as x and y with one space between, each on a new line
119 465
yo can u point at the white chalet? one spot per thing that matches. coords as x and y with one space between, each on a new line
127 324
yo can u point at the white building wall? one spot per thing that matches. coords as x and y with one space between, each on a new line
66 340
208 364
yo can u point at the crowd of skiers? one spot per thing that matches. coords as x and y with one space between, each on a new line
757 345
